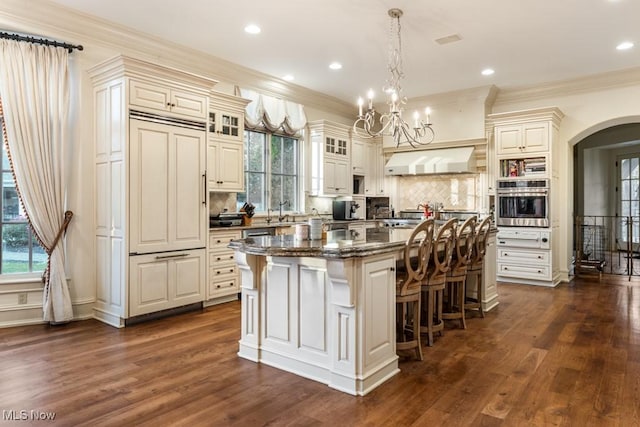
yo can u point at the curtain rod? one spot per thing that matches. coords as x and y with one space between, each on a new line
45 42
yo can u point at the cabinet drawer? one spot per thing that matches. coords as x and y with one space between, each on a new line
531 257
220 240
220 270
541 272
216 258
218 287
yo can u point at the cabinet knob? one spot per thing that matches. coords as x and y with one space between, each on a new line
218 259
218 241
231 270
218 286
230 256
539 271
230 283
218 272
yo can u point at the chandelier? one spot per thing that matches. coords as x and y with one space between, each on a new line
392 123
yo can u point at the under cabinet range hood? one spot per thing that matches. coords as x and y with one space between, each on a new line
438 161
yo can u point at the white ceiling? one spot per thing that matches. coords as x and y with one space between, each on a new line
525 41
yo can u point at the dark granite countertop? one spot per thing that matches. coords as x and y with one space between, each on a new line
338 244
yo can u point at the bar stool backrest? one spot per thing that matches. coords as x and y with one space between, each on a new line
416 266
443 246
482 235
465 241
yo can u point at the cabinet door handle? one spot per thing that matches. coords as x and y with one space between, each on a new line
171 256
204 188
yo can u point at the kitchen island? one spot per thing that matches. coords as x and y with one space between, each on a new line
322 309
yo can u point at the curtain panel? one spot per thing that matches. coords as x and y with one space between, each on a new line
272 113
34 91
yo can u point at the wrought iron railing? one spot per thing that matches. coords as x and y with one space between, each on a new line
607 244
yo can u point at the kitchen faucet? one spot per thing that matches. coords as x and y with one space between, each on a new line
281 217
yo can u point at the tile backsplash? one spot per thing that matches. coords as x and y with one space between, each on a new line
219 201
455 192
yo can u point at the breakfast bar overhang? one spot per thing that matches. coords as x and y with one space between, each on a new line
322 309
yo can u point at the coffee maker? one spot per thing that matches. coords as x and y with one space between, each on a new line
344 209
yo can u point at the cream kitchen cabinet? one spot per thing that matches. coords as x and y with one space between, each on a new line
167 202
167 99
331 173
337 178
523 138
524 255
526 146
151 206
165 280
223 283
226 117
374 182
225 166
359 156
225 147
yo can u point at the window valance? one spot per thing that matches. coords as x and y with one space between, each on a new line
272 113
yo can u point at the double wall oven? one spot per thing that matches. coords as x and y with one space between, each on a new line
522 203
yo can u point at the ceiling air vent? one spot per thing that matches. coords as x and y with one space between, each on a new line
449 39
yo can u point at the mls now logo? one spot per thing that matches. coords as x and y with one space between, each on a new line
24 415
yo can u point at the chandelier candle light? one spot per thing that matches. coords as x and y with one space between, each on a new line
392 123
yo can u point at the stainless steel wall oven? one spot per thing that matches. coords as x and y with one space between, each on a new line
523 203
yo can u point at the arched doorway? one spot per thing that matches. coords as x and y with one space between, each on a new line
606 205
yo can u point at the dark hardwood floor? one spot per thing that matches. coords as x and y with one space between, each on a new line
563 356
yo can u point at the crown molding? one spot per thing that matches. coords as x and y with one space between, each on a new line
553 114
47 19
594 82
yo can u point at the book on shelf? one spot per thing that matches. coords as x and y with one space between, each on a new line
523 167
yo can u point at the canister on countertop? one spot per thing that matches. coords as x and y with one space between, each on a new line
315 228
302 231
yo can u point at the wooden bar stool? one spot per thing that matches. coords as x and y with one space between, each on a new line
433 286
476 267
457 274
408 285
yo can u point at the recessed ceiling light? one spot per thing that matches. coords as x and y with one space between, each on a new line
335 66
487 71
252 29
288 77
624 46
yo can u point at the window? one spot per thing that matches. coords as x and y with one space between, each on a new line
21 252
271 163
629 195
